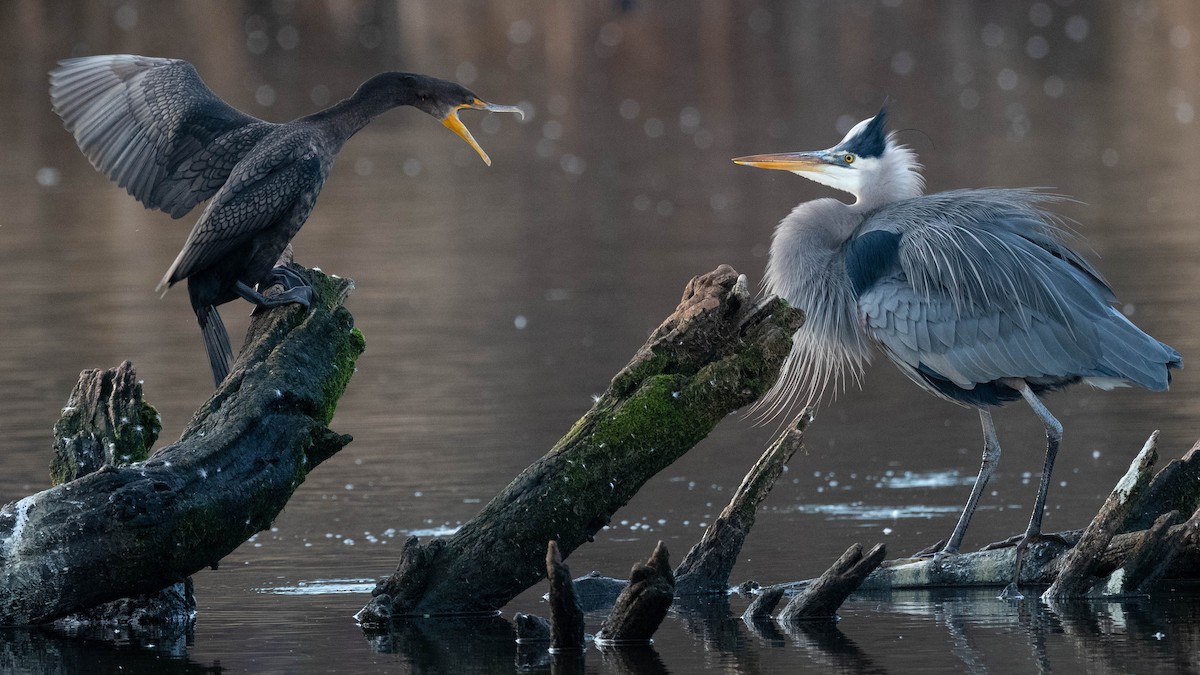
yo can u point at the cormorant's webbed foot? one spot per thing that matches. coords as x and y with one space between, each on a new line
295 291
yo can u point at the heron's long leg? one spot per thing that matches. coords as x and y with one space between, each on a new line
991 457
1053 437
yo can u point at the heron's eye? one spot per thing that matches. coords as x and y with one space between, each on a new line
849 159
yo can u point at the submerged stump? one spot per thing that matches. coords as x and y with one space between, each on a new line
121 531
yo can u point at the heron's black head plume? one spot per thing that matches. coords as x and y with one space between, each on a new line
871 140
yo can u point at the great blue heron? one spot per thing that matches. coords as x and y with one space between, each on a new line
973 294
156 129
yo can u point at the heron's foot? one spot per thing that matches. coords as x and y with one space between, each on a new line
1022 543
934 550
1023 540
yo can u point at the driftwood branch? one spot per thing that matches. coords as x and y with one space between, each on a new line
707 566
120 531
713 355
821 598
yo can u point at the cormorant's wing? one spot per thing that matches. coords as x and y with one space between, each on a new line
153 126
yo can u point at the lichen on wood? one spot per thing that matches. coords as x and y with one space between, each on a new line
715 354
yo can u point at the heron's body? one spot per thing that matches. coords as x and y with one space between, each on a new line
973 294
157 130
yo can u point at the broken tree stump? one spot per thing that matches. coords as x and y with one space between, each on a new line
713 355
120 531
821 598
1075 573
642 606
566 616
707 566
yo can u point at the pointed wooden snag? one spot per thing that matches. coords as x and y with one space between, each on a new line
643 605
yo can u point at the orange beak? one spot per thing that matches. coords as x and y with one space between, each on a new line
452 122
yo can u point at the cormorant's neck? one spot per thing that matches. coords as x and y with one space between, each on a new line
345 118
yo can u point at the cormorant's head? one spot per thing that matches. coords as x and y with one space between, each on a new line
440 98
868 163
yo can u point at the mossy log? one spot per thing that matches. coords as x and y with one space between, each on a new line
715 354
121 531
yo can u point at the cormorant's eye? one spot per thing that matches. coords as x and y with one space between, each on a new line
849 159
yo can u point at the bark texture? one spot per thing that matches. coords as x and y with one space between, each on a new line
121 531
713 355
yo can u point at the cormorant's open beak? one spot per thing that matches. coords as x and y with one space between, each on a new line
453 124
810 162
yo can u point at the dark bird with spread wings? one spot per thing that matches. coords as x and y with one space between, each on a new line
973 294
155 128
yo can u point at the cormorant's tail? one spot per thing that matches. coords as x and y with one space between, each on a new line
216 342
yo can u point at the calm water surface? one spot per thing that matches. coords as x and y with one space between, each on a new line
496 301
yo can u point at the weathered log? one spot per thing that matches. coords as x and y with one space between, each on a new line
107 422
713 355
1151 557
707 566
1174 488
118 532
821 598
1043 560
643 604
1076 571
763 605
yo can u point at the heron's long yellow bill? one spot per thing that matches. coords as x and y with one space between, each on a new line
785 161
453 124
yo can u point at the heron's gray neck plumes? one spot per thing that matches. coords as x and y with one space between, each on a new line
891 177
805 268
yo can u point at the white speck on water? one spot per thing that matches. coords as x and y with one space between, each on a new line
203 473
47 176
1077 28
520 322
348 542
349 486
265 95
1159 635
466 72
1037 47
887 530
903 63
471 500
1007 79
992 35
1181 37
1095 454
1053 86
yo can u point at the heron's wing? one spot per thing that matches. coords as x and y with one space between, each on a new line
973 295
986 247
271 190
153 126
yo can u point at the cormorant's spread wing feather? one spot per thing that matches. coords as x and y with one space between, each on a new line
153 126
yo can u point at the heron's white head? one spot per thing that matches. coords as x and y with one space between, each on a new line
868 163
